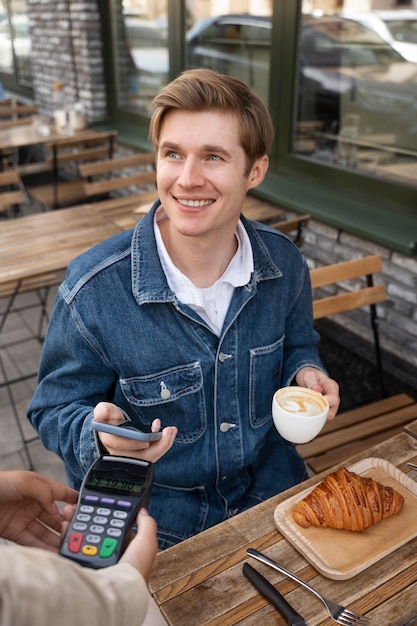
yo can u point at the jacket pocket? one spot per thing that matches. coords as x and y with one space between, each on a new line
264 379
175 396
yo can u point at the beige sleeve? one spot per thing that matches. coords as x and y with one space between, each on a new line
40 587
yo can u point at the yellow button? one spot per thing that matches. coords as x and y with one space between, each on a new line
224 427
89 550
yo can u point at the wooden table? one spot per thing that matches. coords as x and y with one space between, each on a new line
200 581
29 135
14 138
36 244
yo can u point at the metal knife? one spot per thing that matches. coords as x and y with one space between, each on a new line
273 596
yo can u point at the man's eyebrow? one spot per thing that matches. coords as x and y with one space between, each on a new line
170 145
216 149
208 148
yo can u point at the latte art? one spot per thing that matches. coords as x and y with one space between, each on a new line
306 406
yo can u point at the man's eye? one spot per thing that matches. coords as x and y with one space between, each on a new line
172 155
213 157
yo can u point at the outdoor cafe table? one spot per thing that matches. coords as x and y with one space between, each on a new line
29 135
199 582
46 242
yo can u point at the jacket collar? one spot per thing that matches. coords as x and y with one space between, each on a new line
148 279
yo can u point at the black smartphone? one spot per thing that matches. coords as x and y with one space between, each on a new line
125 429
112 492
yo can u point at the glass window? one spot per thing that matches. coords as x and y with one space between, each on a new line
403 30
356 96
142 60
238 44
15 42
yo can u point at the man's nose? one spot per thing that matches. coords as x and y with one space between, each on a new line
191 173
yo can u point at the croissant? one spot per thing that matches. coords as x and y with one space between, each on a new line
349 501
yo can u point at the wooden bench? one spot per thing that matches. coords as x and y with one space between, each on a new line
127 173
357 430
64 158
344 287
11 194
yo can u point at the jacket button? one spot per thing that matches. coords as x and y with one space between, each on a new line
224 427
165 394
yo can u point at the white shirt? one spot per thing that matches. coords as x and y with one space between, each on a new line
211 303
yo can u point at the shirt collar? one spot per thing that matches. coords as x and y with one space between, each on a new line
237 273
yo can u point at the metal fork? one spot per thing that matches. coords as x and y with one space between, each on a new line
337 612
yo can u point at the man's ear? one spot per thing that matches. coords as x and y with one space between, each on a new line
258 171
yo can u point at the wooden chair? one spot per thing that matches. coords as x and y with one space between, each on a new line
7 124
11 108
341 296
339 288
63 160
11 194
16 114
128 173
12 115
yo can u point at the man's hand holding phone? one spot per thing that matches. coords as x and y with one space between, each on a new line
110 414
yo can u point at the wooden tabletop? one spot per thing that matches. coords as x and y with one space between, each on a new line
30 135
45 242
200 581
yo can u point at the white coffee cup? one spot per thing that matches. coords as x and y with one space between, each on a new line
299 413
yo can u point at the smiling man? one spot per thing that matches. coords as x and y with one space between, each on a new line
192 320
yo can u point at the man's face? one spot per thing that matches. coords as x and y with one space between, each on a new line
201 172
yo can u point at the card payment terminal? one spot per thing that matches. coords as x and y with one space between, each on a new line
112 492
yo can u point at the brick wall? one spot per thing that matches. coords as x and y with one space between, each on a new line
67 46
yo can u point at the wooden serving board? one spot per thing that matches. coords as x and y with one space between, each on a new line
341 554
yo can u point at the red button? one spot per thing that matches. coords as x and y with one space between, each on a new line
74 542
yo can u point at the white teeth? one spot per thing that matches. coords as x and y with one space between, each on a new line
194 203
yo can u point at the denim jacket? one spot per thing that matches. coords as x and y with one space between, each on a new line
119 334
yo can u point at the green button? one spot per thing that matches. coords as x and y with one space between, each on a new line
108 547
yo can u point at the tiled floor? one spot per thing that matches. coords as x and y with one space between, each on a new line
20 359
